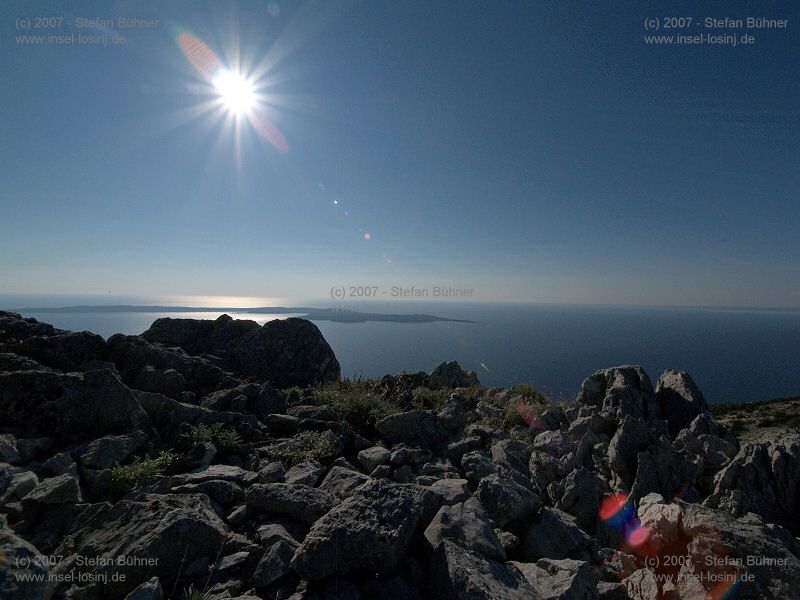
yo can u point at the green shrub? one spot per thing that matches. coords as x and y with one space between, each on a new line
359 402
306 445
521 409
423 398
192 593
223 438
736 427
140 473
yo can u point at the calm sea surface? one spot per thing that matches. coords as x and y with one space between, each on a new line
734 355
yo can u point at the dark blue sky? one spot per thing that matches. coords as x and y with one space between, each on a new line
530 151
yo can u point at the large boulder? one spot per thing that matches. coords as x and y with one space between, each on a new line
466 524
415 427
564 579
285 352
506 500
134 355
717 549
67 351
626 390
679 400
23 571
763 478
299 501
71 406
451 375
137 539
458 574
370 530
554 534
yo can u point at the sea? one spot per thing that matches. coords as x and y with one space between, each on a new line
734 355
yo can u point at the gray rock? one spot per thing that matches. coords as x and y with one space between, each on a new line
554 443
23 571
505 500
373 457
456 450
223 472
305 473
451 491
222 492
403 455
458 574
275 563
8 449
763 478
607 590
71 406
381 472
299 501
163 381
107 451
149 590
160 531
642 585
271 472
624 390
579 495
451 375
663 470
18 483
284 352
63 489
631 437
477 465
415 427
60 463
679 400
466 524
342 482
564 579
369 530
554 534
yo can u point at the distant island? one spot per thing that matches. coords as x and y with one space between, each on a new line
338 315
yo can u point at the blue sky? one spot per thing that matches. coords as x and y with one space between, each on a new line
534 152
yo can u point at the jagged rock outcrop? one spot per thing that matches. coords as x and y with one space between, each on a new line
69 406
763 478
147 536
284 352
679 400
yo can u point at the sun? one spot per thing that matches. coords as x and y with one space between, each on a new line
236 93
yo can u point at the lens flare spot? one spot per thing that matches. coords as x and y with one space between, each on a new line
638 536
612 505
202 58
367 236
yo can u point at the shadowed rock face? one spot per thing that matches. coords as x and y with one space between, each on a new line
284 352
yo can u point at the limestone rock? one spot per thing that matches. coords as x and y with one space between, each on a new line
369 530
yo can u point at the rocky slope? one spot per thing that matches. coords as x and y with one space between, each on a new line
221 459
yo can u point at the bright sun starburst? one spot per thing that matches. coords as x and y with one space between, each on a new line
236 93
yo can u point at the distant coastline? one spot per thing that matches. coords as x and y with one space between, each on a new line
337 315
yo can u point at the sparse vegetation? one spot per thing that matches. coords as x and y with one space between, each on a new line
306 445
140 473
359 402
423 398
192 593
521 410
224 438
